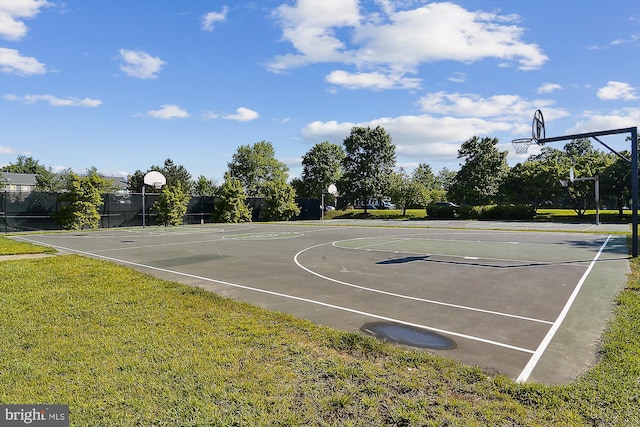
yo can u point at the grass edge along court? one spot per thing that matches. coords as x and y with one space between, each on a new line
123 348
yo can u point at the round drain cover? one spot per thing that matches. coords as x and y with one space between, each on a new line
408 335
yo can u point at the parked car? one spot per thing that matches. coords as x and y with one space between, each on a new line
388 205
329 208
450 204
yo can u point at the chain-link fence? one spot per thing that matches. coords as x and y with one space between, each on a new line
34 211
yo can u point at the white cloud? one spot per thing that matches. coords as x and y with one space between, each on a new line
140 64
617 91
396 42
549 88
458 77
449 119
11 62
209 115
7 150
167 112
373 80
243 115
212 18
55 101
594 121
11 14
473 105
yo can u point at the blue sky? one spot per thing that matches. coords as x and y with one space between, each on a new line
123 85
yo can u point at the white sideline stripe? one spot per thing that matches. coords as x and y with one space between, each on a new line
526 372
409 297
336 307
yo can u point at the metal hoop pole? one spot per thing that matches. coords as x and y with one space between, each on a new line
634 191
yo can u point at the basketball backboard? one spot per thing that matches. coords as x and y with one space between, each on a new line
155 179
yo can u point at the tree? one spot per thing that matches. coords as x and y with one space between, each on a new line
616 181
587 163
406 191
479 178
136 181
368 164
280 203
424 175
533 183
230 204
442 183
24 164
81 201
255 166
171 206
322 166
204 187
175 175
49 182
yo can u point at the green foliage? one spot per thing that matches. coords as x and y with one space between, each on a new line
204 187
479 178
424 175
442 212
280 201
171 206
255 166
82 200
533 182
322 166
230 204
174 174
367 166
406 191
24 164
49 182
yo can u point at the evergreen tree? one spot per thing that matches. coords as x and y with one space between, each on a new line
171 206
230 205
81 201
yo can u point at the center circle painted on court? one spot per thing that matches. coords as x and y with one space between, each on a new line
264 236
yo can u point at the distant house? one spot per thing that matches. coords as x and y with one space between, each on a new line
26 182
22 182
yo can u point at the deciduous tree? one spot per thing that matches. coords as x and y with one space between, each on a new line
479 178
322 166
255 165
370 157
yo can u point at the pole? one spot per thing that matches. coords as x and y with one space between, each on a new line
634 191
143 206
597 199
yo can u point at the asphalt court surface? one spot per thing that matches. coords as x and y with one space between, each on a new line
531 305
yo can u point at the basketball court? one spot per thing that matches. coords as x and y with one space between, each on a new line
529 304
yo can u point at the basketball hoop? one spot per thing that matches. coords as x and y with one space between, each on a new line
521 145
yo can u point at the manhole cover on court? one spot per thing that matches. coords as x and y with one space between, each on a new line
408 335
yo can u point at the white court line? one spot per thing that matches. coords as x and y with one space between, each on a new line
293 297
526 372
382 243
409 297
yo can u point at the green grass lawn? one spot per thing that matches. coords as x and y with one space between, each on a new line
123 348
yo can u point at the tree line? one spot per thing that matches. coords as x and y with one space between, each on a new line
363 169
